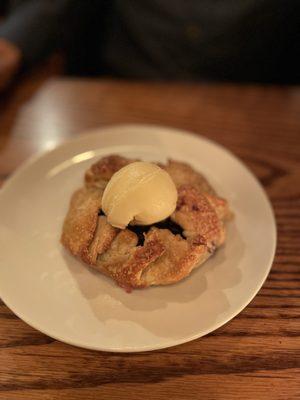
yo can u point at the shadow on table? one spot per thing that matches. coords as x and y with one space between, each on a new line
172 311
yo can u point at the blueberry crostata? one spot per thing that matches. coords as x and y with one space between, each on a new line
144 224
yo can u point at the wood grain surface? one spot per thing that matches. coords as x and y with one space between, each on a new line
257 354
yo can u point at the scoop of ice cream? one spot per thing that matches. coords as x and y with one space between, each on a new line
140 193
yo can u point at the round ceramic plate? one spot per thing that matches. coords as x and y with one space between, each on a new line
60 296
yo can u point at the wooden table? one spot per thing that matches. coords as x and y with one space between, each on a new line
256 355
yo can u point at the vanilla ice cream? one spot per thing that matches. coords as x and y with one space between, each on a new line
140 193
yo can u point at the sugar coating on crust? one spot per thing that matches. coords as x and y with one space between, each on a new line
81 220
164 257
177 261
103 236
100 173
196 215
184 174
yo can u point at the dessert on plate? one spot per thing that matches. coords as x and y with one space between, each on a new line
142 223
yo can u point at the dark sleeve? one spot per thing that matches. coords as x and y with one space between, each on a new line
35 26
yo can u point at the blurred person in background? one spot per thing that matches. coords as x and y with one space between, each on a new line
237 40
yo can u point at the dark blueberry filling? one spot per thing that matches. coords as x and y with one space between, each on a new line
139 230
171 225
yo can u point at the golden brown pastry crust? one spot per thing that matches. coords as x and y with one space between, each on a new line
100 173
164 257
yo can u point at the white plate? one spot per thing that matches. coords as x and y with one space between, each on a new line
58 295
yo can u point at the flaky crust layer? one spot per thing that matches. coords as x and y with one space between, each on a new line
164 257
